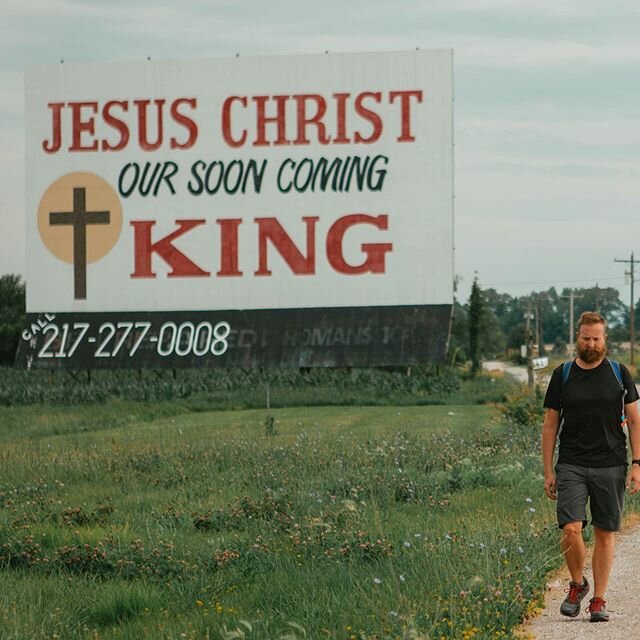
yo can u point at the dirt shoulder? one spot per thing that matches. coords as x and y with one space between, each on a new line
623 598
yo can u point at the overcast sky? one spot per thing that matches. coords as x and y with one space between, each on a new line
547 110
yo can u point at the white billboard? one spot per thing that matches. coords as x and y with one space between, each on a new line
296 182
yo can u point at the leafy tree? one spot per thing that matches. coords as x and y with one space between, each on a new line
502 322
554 315
506 312
12 316
492 341
605 301
459 338
517 337
475 316
502 305
552 311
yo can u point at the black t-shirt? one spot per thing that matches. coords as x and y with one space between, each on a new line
591 405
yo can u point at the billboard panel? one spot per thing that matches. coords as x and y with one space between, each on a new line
173 204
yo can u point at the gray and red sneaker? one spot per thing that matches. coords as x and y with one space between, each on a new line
575 594
598 610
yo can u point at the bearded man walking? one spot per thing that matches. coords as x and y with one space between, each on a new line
590 401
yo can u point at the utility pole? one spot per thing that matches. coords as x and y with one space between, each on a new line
572 296
632 319
538 325
528 345
541 349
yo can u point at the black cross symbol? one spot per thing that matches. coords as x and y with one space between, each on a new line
79 218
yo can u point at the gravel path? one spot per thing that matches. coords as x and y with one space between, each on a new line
623 599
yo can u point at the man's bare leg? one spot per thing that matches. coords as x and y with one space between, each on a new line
602 561
574 551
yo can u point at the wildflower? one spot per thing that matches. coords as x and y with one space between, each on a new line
528 500
402 578
393 614
200 603
520 550
481 546
532 510
417 535
407 544
503 551
377 580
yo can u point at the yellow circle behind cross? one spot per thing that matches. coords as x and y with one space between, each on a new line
80 200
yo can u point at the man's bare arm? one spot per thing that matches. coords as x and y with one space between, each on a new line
633 424
549 434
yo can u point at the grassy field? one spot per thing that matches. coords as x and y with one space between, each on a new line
131 520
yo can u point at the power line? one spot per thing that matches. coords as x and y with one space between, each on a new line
550 282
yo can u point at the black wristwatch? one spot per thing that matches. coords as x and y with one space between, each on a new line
635 461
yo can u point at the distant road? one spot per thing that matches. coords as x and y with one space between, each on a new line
519 373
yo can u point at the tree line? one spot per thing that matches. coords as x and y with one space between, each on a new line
488 325
12 316
491 324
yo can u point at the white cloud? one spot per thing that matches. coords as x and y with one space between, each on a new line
34 8
12 213
111 30
605 131
550 194
551 8
535 168
510 53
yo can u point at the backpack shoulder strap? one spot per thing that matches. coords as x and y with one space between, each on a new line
566 368
615 366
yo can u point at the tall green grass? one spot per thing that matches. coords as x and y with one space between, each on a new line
127 521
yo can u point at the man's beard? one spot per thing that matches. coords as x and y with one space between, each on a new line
591 355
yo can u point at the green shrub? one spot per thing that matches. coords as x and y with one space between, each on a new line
523 409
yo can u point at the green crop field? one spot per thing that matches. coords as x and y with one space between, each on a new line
128 519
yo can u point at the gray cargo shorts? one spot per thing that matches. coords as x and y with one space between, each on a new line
603 487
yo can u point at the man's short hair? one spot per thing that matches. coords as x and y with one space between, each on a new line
591 317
